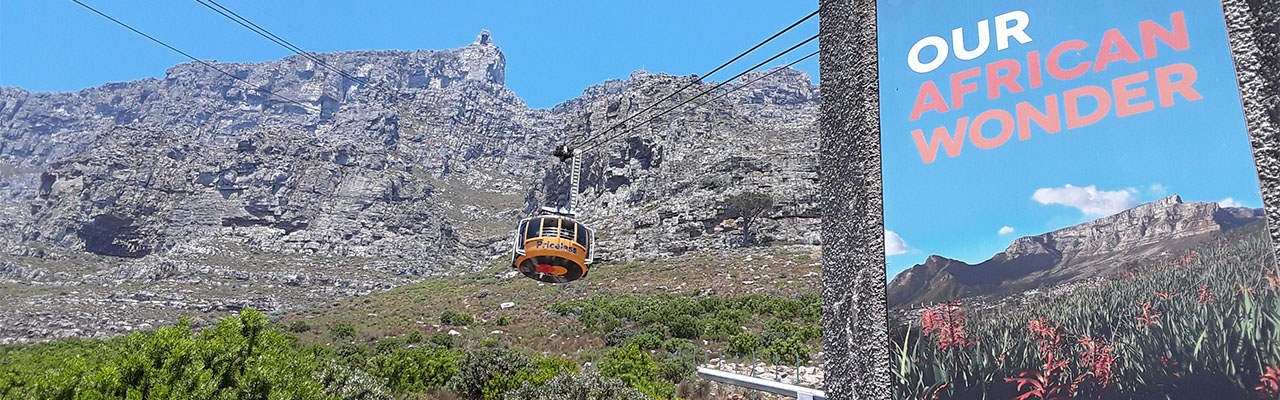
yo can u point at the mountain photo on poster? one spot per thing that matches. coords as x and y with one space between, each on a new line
1072 208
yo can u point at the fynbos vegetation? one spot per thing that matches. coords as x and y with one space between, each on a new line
1201 324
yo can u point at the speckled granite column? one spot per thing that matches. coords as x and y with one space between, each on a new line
853 273
1254 29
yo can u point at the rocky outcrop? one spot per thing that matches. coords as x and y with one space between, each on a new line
1083 251
419 166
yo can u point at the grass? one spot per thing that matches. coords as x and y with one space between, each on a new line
417 307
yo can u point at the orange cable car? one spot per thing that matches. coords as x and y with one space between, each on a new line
553 247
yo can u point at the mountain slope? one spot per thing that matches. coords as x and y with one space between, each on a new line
1078 252
198 194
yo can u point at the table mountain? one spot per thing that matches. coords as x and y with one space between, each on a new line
1087 250
132 202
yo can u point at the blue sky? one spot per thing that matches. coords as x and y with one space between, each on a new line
554 50
959 207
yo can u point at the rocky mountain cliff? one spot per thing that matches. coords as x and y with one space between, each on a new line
130 203
1083 251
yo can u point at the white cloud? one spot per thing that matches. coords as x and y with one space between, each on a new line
893 244
1088 199
1006 230
1158 190
1229 202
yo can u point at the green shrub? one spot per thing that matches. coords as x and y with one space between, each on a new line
444 340
720 329
635 368
788 350
415 370
456 319
414 337
658 330
618 337
298 327
743 343
387 345
343 331
503 320
489 343
481 365
735 316
588 385
783 328
674 345
647 341
685 327
543 369
677 369
237 358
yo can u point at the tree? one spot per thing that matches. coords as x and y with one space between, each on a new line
748 207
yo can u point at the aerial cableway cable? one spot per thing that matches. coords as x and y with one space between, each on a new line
605 139
193 58
757 79
695 81
245 22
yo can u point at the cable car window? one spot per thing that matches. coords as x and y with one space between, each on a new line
522 232
531 228
583 235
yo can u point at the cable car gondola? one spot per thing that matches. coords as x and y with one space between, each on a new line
553 247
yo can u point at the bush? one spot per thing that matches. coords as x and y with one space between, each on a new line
685 327
788 350
343 331
589 385
489 343
543 369
237 358
783 328
720 329
658 330
647 341
456 319
387 345
415 370
481 365
414 337
444 340
676 369
743 343
674 345
635 368
503 320
618 337
298 327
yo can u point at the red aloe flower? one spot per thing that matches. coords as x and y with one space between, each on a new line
946 324
1269 383
1273 282
1149 316
1166 295
1205 296
1187 259
1039 386
1170 366
1097 358
1050 338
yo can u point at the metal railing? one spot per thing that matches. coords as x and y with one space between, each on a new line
763 385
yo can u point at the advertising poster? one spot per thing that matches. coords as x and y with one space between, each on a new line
1072 208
